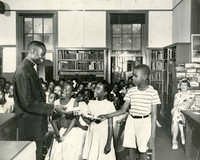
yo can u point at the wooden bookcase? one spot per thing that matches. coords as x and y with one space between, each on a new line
80 61
162 65
158 72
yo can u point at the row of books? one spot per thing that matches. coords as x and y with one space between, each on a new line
171 54
83 66
156 54
158 65
157 76
163 55
81 54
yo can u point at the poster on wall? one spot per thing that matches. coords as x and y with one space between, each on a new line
195 48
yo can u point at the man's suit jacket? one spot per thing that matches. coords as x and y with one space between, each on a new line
29 99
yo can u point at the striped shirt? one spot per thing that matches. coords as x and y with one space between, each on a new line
141 101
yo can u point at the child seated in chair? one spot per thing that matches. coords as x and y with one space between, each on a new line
183 100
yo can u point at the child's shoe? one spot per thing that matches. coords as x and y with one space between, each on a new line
174 146
144 156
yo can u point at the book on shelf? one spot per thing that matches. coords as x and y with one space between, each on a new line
80 60
157 54
156 76
157 65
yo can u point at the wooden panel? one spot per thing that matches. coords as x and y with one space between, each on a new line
183 53
17 150
9 59
95 29
181 22
70 29
160 28
192 146
82 29
8 29
195 14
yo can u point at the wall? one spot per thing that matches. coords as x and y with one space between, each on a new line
8 29
81 29
82 23
160 28
9 62
8 39
89 4
181 22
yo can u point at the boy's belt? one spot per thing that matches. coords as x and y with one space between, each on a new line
137 117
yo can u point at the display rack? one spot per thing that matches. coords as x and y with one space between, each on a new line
79 61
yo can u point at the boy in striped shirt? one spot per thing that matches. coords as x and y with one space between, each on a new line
143 100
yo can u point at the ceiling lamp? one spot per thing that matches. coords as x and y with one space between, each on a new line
2 7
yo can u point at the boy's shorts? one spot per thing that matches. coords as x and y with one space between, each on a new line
137 133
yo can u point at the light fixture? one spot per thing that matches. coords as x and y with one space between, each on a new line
2 7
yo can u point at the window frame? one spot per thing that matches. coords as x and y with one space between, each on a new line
20 30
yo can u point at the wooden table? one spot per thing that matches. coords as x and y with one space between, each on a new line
8 126
17 150
192 146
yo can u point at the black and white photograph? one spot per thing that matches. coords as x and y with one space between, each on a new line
100 79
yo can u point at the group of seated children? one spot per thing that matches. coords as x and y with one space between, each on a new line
6 99
86 125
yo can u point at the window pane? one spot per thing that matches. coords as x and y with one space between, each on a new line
116 29
48 25
136 28
126 28
28 28
37 25
116 42
27 40
38 37
136 42
48 41
126 41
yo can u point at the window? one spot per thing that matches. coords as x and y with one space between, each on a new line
126 37
36 26
40 29
127 43
40 26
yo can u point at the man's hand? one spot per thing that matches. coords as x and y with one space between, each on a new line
107 148
103 116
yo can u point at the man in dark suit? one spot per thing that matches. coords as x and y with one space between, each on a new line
29 98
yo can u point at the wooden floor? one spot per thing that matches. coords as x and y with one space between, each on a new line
163 147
